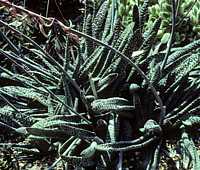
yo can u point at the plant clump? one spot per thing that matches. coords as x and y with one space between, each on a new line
99 94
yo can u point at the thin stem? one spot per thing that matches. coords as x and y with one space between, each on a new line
24 4
10 104
169 44
41 84
47 8
65 153
57 5
11 45
186 13
45 54
7 127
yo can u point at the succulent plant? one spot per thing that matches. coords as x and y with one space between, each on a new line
194 14
187 15
186 9
125 10
100 95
